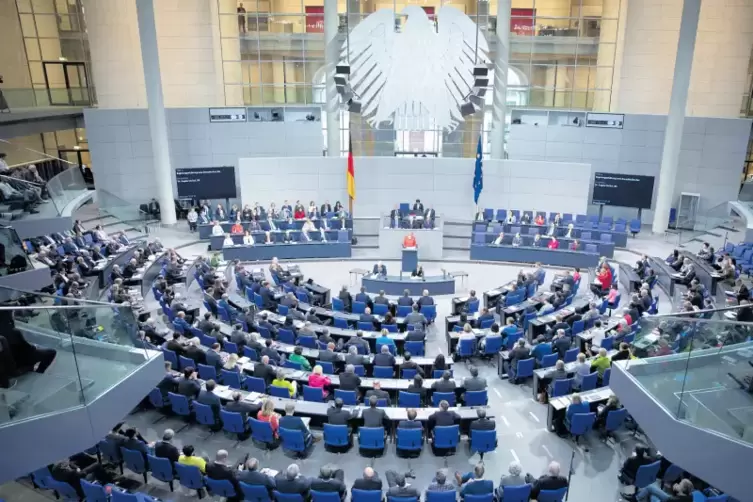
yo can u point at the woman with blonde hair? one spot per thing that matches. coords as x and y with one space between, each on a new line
232 363
267 414
317 379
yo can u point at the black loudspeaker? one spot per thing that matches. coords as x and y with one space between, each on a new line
354 241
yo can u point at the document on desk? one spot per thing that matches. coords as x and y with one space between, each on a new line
295 375
493 292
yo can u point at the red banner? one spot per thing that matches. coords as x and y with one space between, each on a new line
522 21
314 19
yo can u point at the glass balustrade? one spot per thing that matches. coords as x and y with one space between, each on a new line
126 212
65 187
95 346
699 370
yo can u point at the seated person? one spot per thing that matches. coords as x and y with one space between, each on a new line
318 380
517 241
603 281
536 241
188 458
248 239
228 241
574 245
18 356
549 481
290 421
237 228
280 381
378 393
601 363
417 272
217 229
408 364
492 334
500 239
541 348
539 220
558 373
681 492
473 483
553 243
298 357
379 269
613 403
641 456
268 414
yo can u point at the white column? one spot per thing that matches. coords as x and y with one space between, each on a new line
499 102
677 103
156 108
331 23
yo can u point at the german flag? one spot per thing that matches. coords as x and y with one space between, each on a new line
351 171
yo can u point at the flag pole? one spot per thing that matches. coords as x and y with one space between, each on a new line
350 206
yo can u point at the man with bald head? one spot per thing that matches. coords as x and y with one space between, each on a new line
369 481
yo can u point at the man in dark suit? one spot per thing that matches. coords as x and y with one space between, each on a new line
561 342
396 217
384 358
289 300
474 382
349 380
373 416
291 481
418 207
267 297
245 408
329 355
398 487
330 480
549 481
519 353
269 351
482 423
312 317
367 317
188 385
484 316
220 469
444 384
192 351
165 448
169 382
358 341
290 421
442 417
364 298
252 476
264 370
380 299
264 323
369 482
135 442
411 423
405 300
214 358
345 297
209 398
408 364
379 269
336 415
425 299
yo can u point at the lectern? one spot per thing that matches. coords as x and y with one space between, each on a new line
410 259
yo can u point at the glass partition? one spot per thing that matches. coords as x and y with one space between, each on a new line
690 227
127 212
84 349
699 370
65 187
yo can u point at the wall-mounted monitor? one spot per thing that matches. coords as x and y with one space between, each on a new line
206 182
626 190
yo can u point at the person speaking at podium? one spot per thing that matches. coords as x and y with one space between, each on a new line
409 241
379 269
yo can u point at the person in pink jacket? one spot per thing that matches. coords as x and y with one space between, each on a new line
317 379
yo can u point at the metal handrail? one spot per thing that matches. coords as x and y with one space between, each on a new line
697 312
54 297
11 178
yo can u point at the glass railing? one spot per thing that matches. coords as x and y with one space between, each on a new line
699 370
94 346
122 210
65 187
690 227
25 99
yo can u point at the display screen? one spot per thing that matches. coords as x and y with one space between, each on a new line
626 190
206 182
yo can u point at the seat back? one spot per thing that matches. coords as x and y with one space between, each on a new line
283 309
442 396
41 477
434 496
371 438
408 399
493 345
383 371
486 497
338 305
93 492
261 431
605 377
366 495
647 474
189 476
580 423
207 372
562 387
185 362
314 394
134 460
404 310
476 398
429 311
155 398
549 360
465 348
254 493
589 381
571 355
254 384
286 336
552 495
161 468
232 422
615 419
365 326
358 307
65 490
408 373
415 348
380 309
336 435
220 487
287 497
341 323
325 496
204 413
232 379
292 439
410 439
292 365
483 441
446 436
349 397
525 368
520 493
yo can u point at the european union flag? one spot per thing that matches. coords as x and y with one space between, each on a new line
478 176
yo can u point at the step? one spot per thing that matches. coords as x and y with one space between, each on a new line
456 242
367 241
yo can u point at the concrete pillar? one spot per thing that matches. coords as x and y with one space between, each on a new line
331 48
156 108
677 103
499 102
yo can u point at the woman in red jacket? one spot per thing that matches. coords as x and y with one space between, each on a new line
539 219
603 281
553 243
316 379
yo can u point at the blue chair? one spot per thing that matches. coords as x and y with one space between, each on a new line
415 348
337 436
391 328
408 373
292 365
349 397
465 348
254 493
571 355
171 357
232 422
250 353
473 307
589 381
337 305
277 391
448 496
476 398
483 442
486 497
371 440
561 387
156 399
261 432
635 226
520 493
135 462
232 379
308 341
283 309
442 396
325 496
581 423
287 497
220 487
404 310
190 477
446 437
327 367
359 370
646 475
409 441
615 420
207 372
552 495
549 360
286 336
179 404
492 346
380 309
254 384
402 499
313 394
365 326
185 362
264 332
408 399
94 492
41 477
204 414
161 469
341 323
294 441
524 370
430 312
231 348
606 377
383 371
366 495
358 308
64 490
111 453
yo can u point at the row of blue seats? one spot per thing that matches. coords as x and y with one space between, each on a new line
579 220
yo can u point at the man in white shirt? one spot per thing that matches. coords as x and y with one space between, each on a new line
500 239
597 334
217 229
248 239
228 241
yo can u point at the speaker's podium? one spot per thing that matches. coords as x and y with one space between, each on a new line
410 259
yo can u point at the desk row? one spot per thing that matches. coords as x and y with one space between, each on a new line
282 237
288 251
601 247
525 254
205 231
